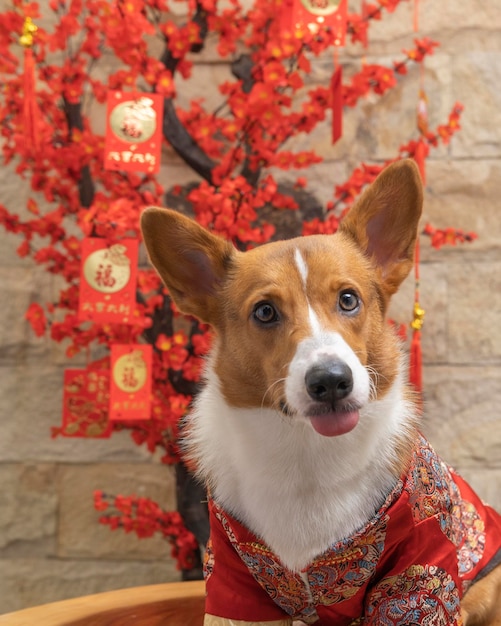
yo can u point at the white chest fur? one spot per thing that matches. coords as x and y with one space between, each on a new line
297 490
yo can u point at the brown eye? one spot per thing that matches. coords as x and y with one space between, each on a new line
265 313
349 301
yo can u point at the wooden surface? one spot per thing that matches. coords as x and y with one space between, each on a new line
171 604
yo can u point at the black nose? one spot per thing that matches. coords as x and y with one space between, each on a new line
329 382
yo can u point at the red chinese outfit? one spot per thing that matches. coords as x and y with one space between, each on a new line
411 564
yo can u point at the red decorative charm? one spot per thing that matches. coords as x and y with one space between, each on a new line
85 404
420 154
316 14
130 388
108 280
416 358
337 104
31 112
133 132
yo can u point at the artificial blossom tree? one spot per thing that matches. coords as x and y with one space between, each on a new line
52 96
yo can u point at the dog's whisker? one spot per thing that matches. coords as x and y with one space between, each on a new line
374 379
270 390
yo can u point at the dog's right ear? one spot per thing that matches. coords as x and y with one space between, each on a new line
384 221
191 261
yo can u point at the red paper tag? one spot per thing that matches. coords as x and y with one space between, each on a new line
318 13
130 386
133 132
337 103
108 280
85 404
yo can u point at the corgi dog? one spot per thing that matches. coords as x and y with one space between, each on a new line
326 503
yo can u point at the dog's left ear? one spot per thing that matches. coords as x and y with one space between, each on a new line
191 261
384 222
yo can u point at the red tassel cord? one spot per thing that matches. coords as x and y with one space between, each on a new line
416 356
422 148
337 102
420 154
31 112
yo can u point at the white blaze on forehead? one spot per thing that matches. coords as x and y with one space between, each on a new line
314 321
303 272
301 266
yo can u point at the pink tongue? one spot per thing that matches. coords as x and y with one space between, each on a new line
334 424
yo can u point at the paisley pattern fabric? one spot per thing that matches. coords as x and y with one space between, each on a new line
410 564
420 595
434 492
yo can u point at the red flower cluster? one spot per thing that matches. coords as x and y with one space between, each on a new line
447 236
145 518
362 176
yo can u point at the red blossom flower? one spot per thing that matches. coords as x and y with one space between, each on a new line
447 236
36 317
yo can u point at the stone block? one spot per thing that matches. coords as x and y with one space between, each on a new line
14 196
8 246
28 515
202 85
477 75
30 582
462 415
464 194
322 178
441 20
474 312
487 483
393 27
21 286
79 533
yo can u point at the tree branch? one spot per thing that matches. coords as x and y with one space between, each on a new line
184 144
173 130
86 188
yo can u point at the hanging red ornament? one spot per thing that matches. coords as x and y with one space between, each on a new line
31 112
416 358
422 112
315 14
85 403
130 388
420 154
133 132
108 280
422 147
337 103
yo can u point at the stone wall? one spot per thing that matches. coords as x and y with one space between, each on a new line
51 546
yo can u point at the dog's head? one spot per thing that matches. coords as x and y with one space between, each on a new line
299 323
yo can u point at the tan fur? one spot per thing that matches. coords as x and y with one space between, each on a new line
481 605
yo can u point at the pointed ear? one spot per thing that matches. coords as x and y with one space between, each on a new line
191 261
384 222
